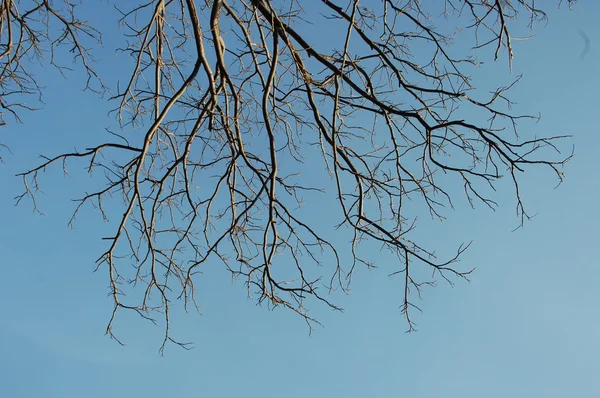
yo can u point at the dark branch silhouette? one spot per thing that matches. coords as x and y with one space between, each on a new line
231 99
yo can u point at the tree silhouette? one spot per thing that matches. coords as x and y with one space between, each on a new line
237 104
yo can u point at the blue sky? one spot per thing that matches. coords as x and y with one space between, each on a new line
527 325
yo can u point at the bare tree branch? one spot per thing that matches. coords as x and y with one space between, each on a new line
234 97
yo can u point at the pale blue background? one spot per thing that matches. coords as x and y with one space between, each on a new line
527 325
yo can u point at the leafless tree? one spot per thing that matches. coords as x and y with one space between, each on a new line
231 98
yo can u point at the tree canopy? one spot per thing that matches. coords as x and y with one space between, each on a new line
237 120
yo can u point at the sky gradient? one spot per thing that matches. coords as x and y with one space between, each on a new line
526 326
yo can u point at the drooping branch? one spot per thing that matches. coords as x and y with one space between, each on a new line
241 96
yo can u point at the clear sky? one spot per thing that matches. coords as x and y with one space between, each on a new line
527 326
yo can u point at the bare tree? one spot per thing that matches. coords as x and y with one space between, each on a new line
233 97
